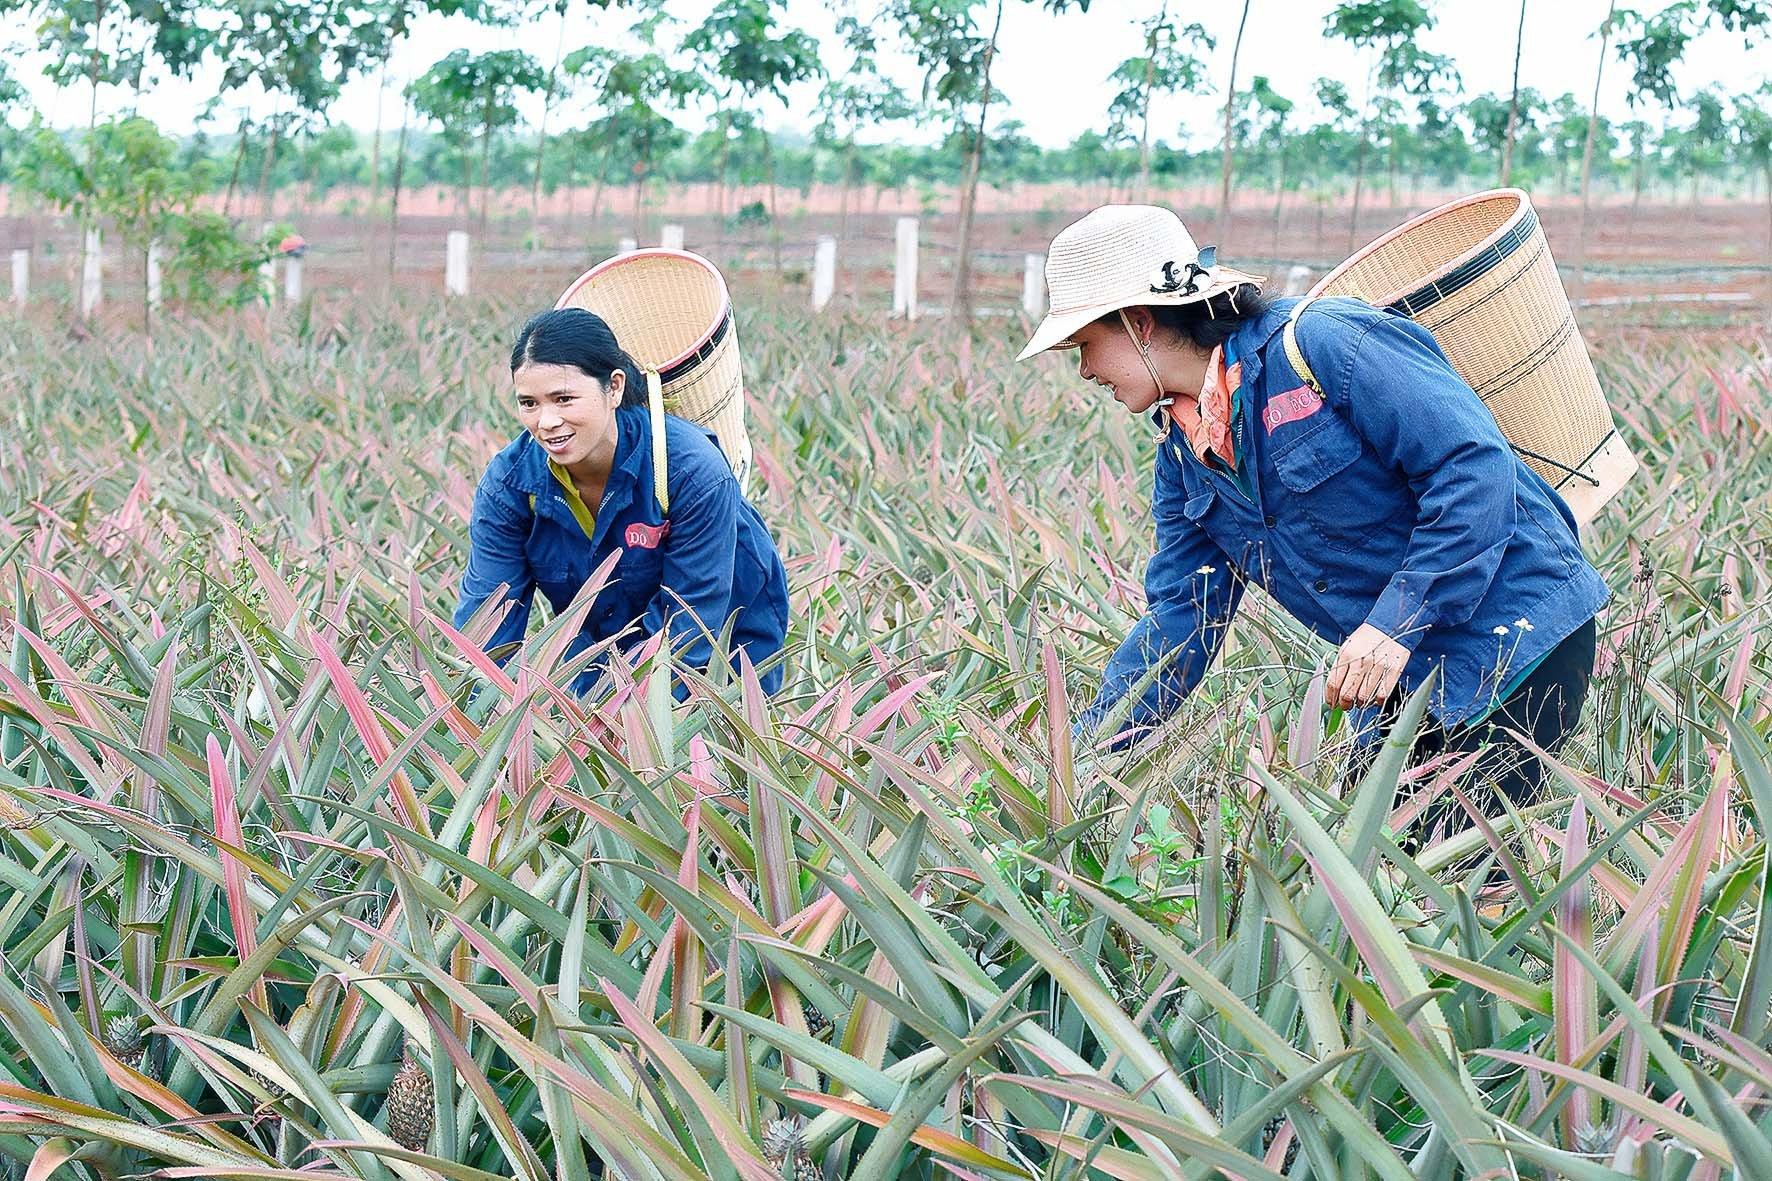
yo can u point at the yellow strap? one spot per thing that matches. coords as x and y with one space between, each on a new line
655 400
1295 354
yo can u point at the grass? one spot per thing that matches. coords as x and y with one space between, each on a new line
275 836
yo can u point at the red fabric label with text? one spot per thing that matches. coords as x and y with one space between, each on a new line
647 536
1290 406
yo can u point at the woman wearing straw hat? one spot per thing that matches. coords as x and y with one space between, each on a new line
1388 513
577 486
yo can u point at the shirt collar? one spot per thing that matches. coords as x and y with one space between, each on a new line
530 473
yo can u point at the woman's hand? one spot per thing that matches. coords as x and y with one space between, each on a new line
1366 669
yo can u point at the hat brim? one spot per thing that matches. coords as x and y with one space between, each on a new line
1056 329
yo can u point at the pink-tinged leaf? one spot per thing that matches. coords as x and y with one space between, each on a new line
1574 1011
225 815
934 1139
517 1149
686 951
51 1156
1058 739
499 960
545 655
65 743
474 654
278 596
1531 997
890 705
1116 1163
1736 682
369 729
1688 888
461 727
62 674
1669 1121
739 1147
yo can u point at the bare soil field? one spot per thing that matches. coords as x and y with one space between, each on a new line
1648 265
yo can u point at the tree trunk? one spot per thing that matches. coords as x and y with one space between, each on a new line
1353 220
1587 159
1144 133
725 146
1513 103
843 197
1230 106
399 175
541 143
1279 191
87 212
234 176
774 213
264 171
962 300
485 173
381 91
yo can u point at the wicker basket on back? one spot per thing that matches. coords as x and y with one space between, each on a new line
1478 274
670 311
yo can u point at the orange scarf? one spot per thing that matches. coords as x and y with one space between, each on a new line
1208 428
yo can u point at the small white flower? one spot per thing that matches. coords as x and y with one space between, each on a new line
1523 624
1207 570
1501 629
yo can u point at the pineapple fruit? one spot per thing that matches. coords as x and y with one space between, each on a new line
785 1151
411 1105
123 1038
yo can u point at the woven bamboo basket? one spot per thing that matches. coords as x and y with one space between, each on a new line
1478 274
670 310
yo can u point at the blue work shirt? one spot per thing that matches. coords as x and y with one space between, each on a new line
715 562
1392 500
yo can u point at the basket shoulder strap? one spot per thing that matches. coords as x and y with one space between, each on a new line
1294 353
655 403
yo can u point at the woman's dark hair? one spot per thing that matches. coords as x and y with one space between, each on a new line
1208 323
580 338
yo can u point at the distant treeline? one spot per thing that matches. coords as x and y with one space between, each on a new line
1714 151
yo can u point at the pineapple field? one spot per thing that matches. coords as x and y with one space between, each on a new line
299 883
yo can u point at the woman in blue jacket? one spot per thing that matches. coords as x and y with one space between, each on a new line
577 485
1387 513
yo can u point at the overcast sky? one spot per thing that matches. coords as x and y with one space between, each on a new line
1051 71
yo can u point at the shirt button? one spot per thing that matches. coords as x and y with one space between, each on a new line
1321 585
1270 520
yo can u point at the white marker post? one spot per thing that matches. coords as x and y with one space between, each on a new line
626 245
824 272
1298 279
904 275
1033 285
154 278
455 263
267 270
21 277
92 273
292 278
671 237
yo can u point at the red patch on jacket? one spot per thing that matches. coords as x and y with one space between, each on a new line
641 536
1290 406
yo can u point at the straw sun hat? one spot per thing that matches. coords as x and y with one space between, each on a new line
1121 256
670 311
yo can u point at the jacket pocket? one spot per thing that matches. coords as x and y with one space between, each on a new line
1344 504
1195 507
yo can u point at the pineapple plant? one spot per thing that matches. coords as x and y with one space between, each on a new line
784 1148
411 1107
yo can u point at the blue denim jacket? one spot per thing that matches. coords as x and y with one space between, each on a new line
717 557
1394 500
